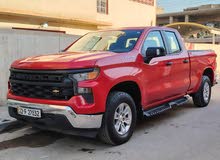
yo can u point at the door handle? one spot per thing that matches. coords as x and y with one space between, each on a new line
153 63
185 61
169 63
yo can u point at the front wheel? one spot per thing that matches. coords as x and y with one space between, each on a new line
119 119
202 97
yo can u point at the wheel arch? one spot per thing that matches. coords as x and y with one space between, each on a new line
132 88
210 73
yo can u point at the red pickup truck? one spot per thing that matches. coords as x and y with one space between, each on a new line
105 80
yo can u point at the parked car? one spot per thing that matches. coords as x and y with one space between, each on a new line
102 83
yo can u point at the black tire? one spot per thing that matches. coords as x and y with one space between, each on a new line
108 132
199 97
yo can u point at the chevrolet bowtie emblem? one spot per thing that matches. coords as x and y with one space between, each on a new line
55 91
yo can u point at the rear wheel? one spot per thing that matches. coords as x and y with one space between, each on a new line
119 119
202 97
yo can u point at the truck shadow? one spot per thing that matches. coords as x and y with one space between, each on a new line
38 139
88 145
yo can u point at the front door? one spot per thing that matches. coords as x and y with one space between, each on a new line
156 77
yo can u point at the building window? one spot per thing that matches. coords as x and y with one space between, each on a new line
102 6
148 2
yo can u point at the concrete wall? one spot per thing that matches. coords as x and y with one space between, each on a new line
15 44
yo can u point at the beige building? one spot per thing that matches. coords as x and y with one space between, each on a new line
74 16
23 24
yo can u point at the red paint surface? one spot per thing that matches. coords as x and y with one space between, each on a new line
158 83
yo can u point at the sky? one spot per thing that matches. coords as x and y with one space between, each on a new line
179 5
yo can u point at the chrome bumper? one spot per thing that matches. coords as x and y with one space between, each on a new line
80 121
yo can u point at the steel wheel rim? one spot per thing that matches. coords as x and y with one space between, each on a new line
122 118
206 92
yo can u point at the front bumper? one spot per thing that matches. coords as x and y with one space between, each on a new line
54 113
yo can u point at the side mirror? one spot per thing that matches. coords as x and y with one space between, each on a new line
153 52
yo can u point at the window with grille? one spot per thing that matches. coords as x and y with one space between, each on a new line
102 6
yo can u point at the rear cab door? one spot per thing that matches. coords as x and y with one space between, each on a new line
178 62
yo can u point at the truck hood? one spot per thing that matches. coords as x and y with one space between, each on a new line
66 60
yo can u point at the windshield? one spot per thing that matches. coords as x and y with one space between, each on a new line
115 41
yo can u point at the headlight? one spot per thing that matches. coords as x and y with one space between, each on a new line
86 76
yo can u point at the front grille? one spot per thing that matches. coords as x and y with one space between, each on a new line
36 77
42 84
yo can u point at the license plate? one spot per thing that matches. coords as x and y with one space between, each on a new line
36 113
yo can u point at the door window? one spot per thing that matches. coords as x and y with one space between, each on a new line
172 42
154 39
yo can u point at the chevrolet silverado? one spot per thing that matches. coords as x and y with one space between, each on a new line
103 82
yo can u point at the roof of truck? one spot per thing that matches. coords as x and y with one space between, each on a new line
134 28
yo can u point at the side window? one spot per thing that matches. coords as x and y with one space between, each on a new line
172 42
154 39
